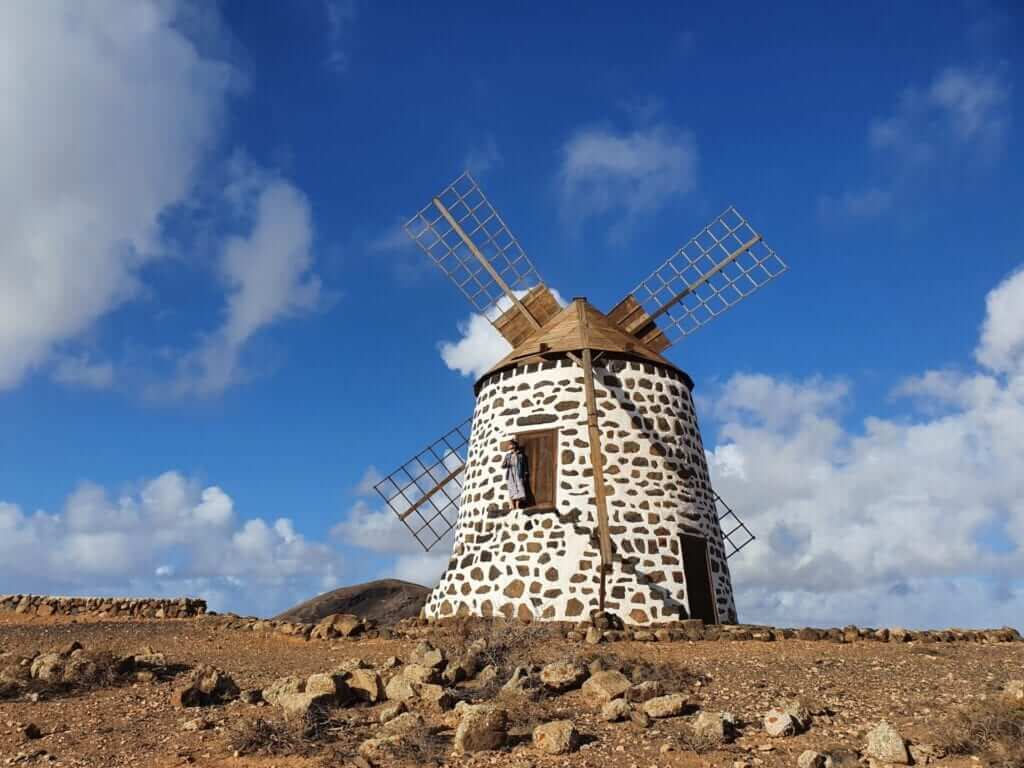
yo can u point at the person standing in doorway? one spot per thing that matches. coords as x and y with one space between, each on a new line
516 473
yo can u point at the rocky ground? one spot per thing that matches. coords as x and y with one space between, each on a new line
214 691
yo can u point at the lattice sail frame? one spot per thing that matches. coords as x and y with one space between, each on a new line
484 226
738 535
751 270
424 492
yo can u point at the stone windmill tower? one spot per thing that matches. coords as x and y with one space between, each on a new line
620 513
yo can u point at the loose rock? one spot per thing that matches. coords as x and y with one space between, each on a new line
615 711
206 686
811 759
563 676
671 705
559 737
778 723
482 727
886 745
607 685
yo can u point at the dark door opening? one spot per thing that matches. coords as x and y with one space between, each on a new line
699 592
542 463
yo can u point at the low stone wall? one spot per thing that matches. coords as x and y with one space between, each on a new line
134 607
688 630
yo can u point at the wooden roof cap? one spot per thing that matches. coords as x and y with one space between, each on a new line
567 332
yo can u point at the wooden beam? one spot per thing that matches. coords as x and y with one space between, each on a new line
420 501
705 277
596 456
486 264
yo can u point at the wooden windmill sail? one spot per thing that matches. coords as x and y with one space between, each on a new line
462 233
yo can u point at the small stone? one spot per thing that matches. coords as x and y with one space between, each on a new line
381 751
563 676
483 727
779 723
886 745
365 685
48 667
391 711
640 719
594 636
405 723
206 686
671 705
714 727
427 655
198 724
615 711
302 704
811 759
559 737
521 684
333 686
605 686
799 712
338 625
486 676
283 686
436 696
645 691
31 731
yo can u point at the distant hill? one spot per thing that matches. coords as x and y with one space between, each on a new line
385 601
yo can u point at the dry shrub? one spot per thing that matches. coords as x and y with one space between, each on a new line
423 747
994 728
264 737
697 741
301 737
512 644
103 670
673 677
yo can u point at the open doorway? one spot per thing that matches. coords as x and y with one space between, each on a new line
699 592
541 450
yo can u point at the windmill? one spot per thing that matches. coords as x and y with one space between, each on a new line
620 513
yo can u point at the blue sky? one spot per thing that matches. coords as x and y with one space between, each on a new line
212 321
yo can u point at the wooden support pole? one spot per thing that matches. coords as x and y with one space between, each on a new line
596 456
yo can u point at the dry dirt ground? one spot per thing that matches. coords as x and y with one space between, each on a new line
852 686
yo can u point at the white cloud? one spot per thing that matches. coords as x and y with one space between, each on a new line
1002 335
110 111
424 568
80 371
481 159
625 174
367 483
960 118
168 536
917 520
480 345
375 529
268 275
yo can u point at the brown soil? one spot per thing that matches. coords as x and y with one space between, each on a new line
918 688
385 602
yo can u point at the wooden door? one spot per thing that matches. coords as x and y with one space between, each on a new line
541 453
699 591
